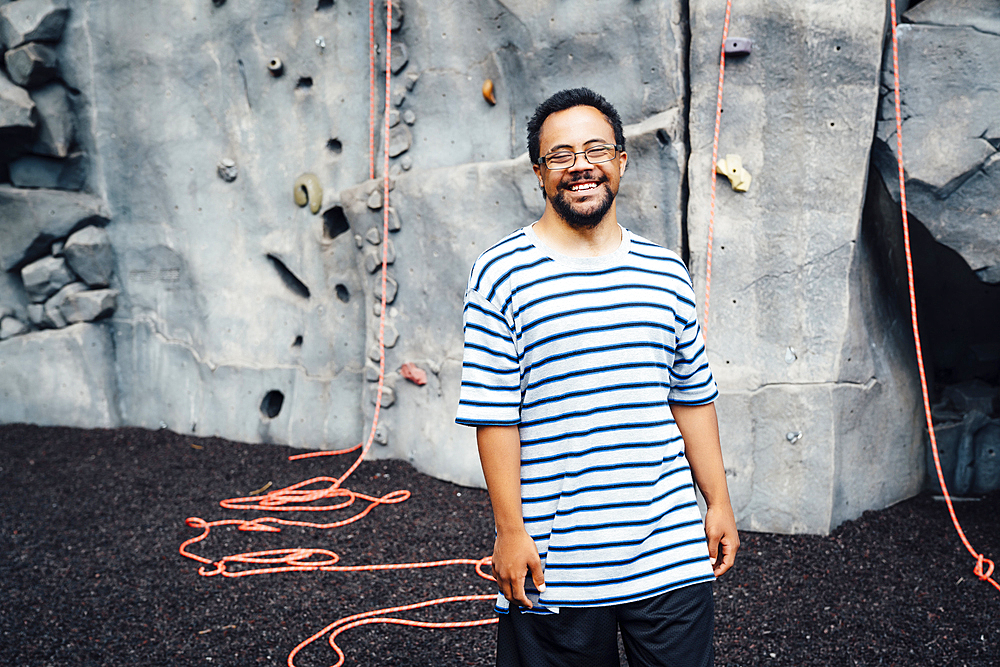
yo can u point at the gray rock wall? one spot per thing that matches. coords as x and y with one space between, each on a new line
817 409
224 148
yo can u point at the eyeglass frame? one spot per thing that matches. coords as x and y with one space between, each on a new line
542 163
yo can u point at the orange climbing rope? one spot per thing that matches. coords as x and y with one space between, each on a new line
981 561
299 498
715 158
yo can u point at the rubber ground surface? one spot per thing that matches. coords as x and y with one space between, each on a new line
90 522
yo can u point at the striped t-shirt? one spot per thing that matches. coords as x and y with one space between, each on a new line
585 355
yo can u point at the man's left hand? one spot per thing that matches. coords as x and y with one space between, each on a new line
723 540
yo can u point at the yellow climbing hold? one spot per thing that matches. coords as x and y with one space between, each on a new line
731 167
307 190
488 93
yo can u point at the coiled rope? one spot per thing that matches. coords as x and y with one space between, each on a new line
984 566
296 498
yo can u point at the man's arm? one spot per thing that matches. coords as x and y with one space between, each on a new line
514 553
699 426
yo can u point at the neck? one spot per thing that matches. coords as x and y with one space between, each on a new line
601 239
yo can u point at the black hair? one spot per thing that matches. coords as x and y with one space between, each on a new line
566 99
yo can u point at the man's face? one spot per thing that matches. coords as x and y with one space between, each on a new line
582 194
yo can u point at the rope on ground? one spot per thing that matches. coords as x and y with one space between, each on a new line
715 158
981 561
295 498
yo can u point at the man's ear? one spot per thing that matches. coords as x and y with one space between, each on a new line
623 161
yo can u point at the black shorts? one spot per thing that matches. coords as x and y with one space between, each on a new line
674 628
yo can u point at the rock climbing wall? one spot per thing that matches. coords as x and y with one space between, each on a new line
949 95
818 408
180 133
190 237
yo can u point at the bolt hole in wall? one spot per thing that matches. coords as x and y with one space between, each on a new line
342 293
304 82
290 279
298 342
663 137
334 222
324 4
271 405
334 145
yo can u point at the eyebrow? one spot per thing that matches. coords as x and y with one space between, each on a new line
568 147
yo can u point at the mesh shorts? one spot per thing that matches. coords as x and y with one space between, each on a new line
672 629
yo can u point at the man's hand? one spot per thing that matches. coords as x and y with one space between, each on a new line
514 555
723 540
700 429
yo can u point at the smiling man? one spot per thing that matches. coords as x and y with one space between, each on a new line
586 378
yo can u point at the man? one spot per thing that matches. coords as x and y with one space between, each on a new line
586 378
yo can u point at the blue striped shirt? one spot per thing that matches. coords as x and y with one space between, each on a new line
585 356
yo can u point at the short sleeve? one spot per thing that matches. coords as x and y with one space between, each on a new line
491 372
691 381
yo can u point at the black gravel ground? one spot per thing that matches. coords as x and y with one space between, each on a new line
90 524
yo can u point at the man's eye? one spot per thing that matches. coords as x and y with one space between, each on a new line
560 157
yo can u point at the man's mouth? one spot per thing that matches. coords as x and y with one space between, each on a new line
582 186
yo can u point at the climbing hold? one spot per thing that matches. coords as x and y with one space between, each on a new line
375 200
731 167
400 57
738 46
276 67
409 117
488 93
414 373
374 235
382 435
394 224
388 397
307 190
321 43
227 170
793 436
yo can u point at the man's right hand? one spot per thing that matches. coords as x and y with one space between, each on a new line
514 555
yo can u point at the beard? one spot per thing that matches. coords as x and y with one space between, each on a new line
578 219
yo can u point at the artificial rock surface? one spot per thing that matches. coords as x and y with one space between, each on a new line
32 21
950 91
240 314
56 121
33 219
88 252
36 171
64 376
817 405
45 277
18 117
31 64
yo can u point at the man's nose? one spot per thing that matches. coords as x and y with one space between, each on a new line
581 164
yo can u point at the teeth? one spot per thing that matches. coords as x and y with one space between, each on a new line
583 186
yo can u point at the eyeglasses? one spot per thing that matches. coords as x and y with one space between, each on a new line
566 159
